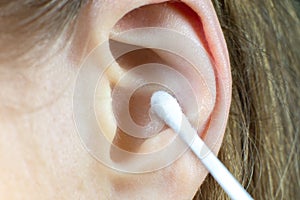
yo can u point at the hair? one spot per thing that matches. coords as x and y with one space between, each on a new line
33 25
261 143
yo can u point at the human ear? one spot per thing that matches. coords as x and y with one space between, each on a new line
196 21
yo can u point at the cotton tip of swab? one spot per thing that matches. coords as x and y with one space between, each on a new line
167 108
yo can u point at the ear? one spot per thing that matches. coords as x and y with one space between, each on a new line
195 20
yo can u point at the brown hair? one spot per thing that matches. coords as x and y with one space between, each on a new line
33 24
261 142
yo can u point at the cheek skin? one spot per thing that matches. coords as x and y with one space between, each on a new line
42 157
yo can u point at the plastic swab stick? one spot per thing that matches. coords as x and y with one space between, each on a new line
168 109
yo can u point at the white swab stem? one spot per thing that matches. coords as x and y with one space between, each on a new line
168 109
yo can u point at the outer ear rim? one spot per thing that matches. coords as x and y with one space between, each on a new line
220 56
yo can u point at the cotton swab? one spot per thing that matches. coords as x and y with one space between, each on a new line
168 109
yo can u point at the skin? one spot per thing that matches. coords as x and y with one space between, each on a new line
42 156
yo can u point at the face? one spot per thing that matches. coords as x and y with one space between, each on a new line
42 152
